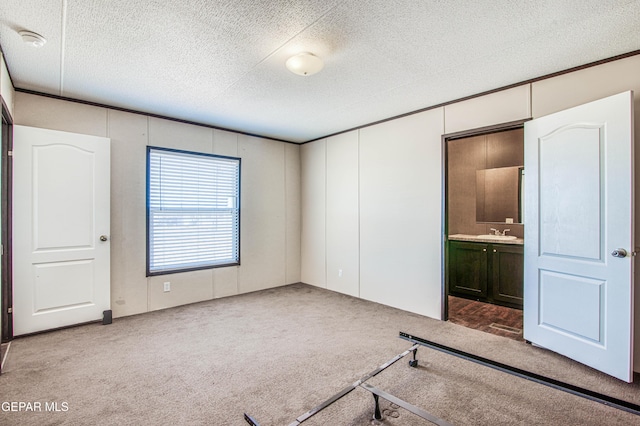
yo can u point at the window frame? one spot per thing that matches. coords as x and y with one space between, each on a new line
150 273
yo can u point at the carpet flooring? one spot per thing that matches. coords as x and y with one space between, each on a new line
277 353
494 319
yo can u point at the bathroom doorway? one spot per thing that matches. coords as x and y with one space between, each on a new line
484 177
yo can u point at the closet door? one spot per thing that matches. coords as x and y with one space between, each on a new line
61 272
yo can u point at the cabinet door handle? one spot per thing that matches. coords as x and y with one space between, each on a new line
484 249
495 251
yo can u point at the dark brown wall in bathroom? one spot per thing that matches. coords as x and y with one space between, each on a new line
505 149
464 157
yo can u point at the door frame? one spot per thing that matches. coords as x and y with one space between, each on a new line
495 128
6 280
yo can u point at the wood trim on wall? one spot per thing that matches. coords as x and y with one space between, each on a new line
6 287
533 80
147 114
484 130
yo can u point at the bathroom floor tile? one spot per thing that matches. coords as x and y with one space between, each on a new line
495 319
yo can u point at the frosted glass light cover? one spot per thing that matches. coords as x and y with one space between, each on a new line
304 64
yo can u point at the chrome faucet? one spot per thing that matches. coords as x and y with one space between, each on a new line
500 233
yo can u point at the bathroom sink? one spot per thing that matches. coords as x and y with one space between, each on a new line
497 237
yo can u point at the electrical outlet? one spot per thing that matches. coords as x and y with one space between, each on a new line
167 286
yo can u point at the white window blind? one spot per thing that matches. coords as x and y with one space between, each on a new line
193 210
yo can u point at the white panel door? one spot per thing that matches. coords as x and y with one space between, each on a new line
60 228
578 213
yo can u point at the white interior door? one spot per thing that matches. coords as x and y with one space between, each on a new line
578 211
60 218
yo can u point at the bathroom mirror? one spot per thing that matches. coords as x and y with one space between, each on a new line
498 195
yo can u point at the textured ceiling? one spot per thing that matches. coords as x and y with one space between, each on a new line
222 62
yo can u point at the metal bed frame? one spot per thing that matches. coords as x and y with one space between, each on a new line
417 342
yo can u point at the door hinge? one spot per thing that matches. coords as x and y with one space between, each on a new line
9 310
10 153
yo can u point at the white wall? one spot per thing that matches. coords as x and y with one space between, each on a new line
401 213
342 214
270 213
313 160
496 108
372 203
370 226
293 212
263 213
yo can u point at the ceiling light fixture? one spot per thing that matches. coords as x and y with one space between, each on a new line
32 39
304 64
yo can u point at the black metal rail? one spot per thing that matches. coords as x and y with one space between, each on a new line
527 375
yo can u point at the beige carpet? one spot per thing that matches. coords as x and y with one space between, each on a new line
277 353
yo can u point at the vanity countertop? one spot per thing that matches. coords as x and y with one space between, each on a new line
478 239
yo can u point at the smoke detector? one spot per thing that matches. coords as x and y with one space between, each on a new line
32 39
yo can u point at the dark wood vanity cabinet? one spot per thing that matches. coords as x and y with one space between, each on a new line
468 269
507 273
487 272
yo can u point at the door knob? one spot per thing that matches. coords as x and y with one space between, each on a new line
103 238
619 253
